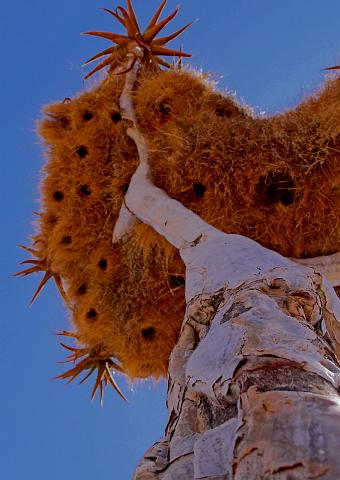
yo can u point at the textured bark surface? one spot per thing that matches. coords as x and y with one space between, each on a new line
254 378
253 384
328 265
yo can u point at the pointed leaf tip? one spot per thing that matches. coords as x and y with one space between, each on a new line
335 67
150 33
157 14
168 38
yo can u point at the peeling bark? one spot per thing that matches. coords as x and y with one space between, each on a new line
328 265
254 378
253 384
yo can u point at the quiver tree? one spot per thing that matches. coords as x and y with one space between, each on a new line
273 180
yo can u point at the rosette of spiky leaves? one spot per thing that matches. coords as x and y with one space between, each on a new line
90 361
41 265
153 48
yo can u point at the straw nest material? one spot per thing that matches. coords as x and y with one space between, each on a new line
275 180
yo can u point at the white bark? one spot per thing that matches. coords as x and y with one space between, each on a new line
328 265
253 384
254 378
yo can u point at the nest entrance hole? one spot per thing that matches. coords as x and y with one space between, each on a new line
85 190
102 264
224 111
58 196
199 189
66 240
164 108
82 289
276 187
91 314
149 333
176 281
116 117
87 116
82 151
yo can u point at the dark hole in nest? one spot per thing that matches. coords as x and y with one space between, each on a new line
67 100
58 196
91 314
102 264
276 187
223 111
116 117
149 333
176 281
124 188
87 116
82 289
66 240
85 190
164 108
82 151
199 189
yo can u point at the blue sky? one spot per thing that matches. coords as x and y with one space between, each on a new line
270 52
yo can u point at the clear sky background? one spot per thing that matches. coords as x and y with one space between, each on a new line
271 52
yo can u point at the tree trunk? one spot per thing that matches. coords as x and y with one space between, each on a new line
254 378
253 383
